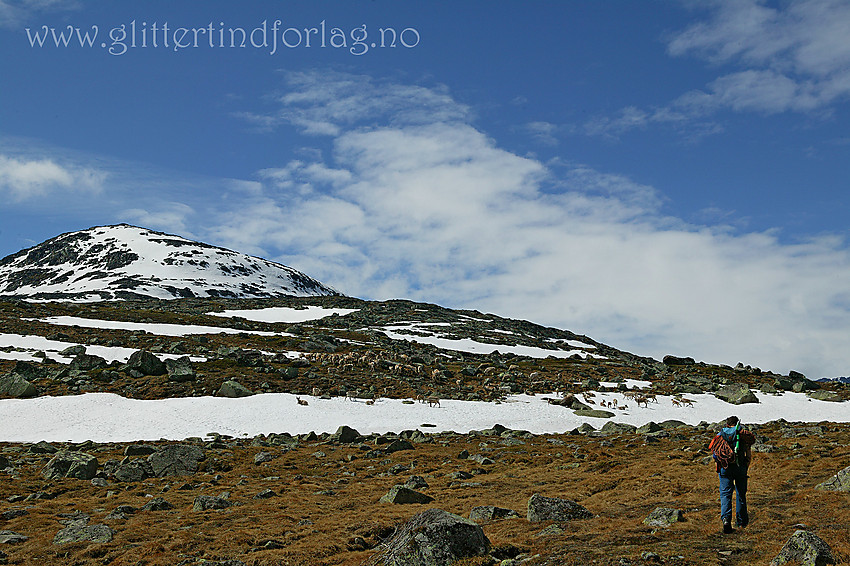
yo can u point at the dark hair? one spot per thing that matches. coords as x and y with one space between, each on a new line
731 421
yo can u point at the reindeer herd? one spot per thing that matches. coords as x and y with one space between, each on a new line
413 372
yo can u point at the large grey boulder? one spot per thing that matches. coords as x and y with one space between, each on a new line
404 495
838 482
806 549
736 394
87 362
595 413
146 363
176 460
135 470
77 465
612 427
180 369
433 538
345 435
13 385
663 517
542 508
234 389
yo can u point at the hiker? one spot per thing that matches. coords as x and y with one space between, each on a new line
731 451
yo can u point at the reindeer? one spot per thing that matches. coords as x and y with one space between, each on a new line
641 399
433 402
301 401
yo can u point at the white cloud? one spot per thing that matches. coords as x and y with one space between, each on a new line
438 212
794 57
24 179
16 12
172 217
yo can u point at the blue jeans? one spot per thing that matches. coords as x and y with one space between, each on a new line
734 480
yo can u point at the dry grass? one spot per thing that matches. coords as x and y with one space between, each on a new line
621 482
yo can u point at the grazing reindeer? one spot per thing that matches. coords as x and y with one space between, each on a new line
686 401
433 402
301 401
676 402
641 399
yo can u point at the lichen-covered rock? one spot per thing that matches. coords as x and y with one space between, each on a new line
403 495
77 465
345 435
542 508
14 385
663 517
157 504
133 470
595 413
146 363
806 549
11 537
176 460
825 395
180 369
736 394
234 390
208 502
433 538
838 482
80 532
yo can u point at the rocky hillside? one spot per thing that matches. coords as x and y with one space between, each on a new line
122 262
617 496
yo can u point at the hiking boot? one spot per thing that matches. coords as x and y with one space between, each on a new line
743 522
727 528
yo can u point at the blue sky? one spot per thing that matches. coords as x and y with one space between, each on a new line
664 176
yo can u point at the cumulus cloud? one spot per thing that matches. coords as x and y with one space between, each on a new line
439 212
791 57
24 179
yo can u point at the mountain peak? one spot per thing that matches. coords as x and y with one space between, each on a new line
122 261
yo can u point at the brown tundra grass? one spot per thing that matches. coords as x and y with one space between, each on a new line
326 511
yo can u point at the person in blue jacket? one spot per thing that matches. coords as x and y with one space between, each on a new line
733 473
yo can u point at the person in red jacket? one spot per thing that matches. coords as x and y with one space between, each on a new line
731 450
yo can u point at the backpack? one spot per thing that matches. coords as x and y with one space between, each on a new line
731 451
722 451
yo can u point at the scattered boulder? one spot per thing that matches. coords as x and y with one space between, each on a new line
157 504
79 531
398 445
133 470
542 508
838 482
207 502
649 428
146 363
484 513
416 482
825 395
263 457
176 460
72 351
43 447
139 450
664 517
677 361
234 390
265 494
736 394
345 435
180 369
804 548
4 462
612 427
77 465
433 538
11 537
404 495
13 385
87 362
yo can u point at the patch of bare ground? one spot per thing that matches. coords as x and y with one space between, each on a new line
325 510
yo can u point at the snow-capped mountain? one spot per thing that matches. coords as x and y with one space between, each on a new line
123 261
